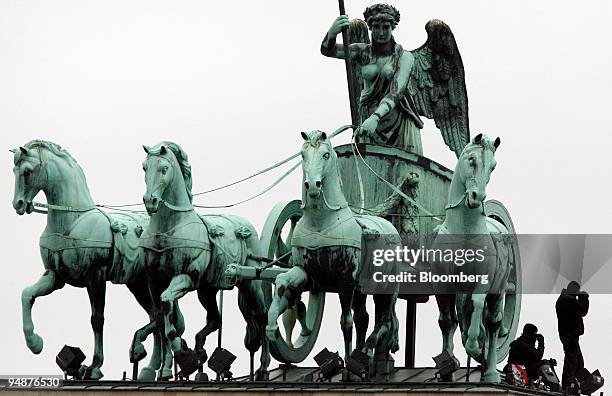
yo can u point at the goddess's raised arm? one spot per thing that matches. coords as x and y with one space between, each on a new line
329 47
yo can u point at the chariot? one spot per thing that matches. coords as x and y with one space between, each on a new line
368 173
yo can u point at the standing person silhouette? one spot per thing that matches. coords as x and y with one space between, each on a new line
572 305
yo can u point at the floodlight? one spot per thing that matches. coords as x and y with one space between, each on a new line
220 362
446 364
330 364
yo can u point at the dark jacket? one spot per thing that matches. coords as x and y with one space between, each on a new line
570 311
524 352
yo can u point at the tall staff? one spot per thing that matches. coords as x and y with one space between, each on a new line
349 71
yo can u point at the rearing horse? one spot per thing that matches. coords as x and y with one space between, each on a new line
183 251
81 245
478 310
326 253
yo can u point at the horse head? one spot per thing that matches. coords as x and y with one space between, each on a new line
28 181
474 167
318 165
166 169
45 166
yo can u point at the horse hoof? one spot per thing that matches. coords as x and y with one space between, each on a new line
503 331
146 374
201 377
202 355
165 374
91 373
472 348
262 375
137 353
35 343
492 377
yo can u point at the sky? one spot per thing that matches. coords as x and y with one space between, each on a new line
235 82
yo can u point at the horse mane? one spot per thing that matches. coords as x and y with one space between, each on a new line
315 138
183 161
57 150
485 143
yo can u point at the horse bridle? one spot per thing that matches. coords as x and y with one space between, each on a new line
168 205
472 178
61 208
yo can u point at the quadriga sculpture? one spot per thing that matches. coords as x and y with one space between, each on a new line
183 251
81 245
326 255
479 311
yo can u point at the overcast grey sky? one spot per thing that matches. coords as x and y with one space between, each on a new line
235 82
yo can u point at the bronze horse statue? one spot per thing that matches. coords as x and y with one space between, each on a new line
183 251
326 255
479 309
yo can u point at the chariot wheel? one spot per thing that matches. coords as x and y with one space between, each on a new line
512 300
289 346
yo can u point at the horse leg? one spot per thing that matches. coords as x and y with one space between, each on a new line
360 318
289 319
300 313
447 321
179 286
493 322
137 350
180 321
252 305
346 323
166 359
47 284
208 299
471 344
384 337
96 289
286 284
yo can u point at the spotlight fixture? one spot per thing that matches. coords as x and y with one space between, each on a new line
329 363
357 364
188 362
69 360
590 382
446 364
220 362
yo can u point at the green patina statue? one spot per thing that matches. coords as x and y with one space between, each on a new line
326 254
394 87
81 245
183 251
402 214
480 311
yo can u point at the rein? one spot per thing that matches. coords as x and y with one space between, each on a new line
176 208
59 208
335 133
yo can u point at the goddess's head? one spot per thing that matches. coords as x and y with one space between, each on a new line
381 19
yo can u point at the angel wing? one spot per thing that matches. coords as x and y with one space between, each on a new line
437 85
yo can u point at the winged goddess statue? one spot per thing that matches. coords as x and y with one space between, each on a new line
395 87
